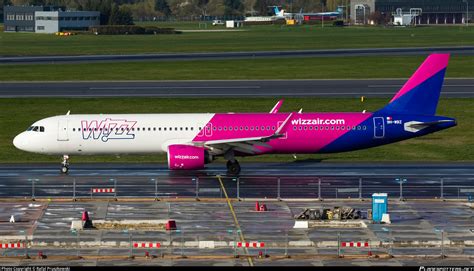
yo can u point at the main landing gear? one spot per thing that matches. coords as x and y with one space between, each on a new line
65 164
233 167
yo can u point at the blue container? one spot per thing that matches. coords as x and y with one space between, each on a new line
379 206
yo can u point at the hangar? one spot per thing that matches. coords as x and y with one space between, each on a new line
432 11
47 19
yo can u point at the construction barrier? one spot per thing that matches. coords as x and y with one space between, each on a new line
146 245
12 245
251 244
355 244
103 190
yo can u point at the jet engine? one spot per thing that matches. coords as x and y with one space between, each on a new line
186 157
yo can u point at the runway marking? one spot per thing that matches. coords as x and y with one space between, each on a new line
237 225
400 85
170 87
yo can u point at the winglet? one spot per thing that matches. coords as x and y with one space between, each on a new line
283 125
276 107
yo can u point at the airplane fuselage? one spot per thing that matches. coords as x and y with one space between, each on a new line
152 133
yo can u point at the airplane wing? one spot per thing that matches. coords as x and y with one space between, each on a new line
245 145
415 126
276 107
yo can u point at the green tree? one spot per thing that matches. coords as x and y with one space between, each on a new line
163 7
120 15
262 7
233 7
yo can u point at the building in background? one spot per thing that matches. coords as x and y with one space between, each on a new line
47 19
432 12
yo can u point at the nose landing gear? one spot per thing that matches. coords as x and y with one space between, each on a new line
65 164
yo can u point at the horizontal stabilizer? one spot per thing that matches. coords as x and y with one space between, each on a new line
415 126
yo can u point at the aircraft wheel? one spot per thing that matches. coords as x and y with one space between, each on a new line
233 168
64 170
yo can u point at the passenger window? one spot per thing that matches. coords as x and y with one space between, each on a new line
214 128
315 127
246 128
230 128
332 127
268 128
301 128
256 128
251 128
164 129
327 127
149 129
176 128
358 127
192 128
225 128
364 127
138 129
294 128
311 127
343 127
186 128
305 128
273 128
73 129
154 128
159 128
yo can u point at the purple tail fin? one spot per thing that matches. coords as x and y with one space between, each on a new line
421 92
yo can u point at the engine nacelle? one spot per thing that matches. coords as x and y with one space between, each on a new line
186 157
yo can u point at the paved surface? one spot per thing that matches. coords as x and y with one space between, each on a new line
413 238
240 88
258 180
456 50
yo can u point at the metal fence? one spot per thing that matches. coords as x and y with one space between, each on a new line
301 187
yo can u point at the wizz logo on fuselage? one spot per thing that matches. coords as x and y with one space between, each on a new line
108 129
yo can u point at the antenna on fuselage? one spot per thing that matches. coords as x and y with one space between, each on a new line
67 114
301 111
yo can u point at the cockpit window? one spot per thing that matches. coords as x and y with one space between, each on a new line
36 129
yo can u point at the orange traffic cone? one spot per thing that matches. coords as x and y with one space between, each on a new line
85 216
257 207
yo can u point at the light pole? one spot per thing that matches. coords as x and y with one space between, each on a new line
467 11
156 188
197 187
401 181
33 187
115 187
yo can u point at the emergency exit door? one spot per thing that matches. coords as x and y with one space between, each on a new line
379 127
62 130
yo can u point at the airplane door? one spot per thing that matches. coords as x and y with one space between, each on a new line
379 127
62 130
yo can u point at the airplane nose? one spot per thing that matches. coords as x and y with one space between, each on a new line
20 141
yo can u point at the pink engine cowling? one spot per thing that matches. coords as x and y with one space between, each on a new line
185 157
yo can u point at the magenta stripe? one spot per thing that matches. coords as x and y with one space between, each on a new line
431 66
